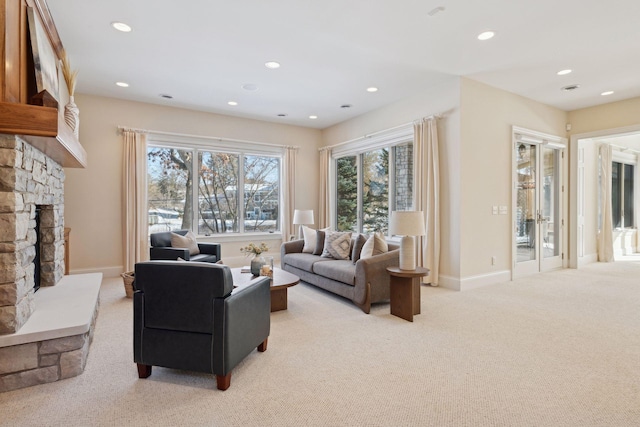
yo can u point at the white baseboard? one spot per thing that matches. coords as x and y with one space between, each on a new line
480 281
587 259
106 271
474 282
449 282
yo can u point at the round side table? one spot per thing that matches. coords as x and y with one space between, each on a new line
405 291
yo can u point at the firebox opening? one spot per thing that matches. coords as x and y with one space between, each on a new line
36 260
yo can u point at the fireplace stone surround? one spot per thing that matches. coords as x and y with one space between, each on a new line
28 178
44 336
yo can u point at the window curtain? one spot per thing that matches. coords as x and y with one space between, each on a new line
426 196
289 190
605 235
134 199
324 214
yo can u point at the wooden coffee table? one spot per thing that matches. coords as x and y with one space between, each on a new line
281 281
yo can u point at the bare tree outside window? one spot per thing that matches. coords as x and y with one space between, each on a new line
261 193
219 207
218 195
169 176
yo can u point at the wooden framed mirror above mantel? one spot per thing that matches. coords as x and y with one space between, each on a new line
28 107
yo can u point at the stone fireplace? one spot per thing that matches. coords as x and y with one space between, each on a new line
28 180
44 336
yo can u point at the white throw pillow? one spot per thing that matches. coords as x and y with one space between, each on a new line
309 235
375 245
187 241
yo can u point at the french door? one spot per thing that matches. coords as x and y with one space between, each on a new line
538 205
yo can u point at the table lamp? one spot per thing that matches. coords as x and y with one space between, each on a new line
302 217
407 224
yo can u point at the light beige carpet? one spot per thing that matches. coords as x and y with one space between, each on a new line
555 349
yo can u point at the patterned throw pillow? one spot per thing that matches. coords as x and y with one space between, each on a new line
337 244
187 241
375 245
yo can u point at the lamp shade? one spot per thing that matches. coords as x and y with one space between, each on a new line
407 223
302 217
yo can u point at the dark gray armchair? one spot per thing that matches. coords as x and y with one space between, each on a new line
187 315
161 249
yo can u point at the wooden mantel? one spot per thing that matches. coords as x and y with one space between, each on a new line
41 126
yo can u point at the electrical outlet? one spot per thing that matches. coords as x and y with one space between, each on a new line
495 210
503 210
493 260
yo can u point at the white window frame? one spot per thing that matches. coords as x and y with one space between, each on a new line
379 140
242 148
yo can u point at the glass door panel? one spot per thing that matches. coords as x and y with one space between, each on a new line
526 203
550 203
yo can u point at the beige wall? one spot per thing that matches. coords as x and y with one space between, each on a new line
442 100
487 115
608 116
93 195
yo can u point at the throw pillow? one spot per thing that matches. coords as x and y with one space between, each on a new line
337 244
359 242
187 241
309 235
375 245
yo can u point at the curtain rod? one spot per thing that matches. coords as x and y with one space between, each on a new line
369 135
213 138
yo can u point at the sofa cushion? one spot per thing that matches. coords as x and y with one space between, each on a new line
337 244
375 245
303 261
340 270
187 241
358 243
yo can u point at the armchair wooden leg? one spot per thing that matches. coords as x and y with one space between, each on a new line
144 370
263 345
224 381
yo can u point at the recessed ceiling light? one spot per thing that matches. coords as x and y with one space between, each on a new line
121 26
122 84
434 12
250 87
486 35
313 117
372 89
166 96
609 92
564 72
232 103
570 87
272 64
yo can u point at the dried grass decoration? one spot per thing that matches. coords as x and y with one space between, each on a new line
71 111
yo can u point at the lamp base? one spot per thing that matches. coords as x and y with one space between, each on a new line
407 253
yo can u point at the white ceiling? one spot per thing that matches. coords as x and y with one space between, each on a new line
202 51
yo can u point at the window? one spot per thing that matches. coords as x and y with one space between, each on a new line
622 200
212 191
371 184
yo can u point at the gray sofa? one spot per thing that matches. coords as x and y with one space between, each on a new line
364 282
